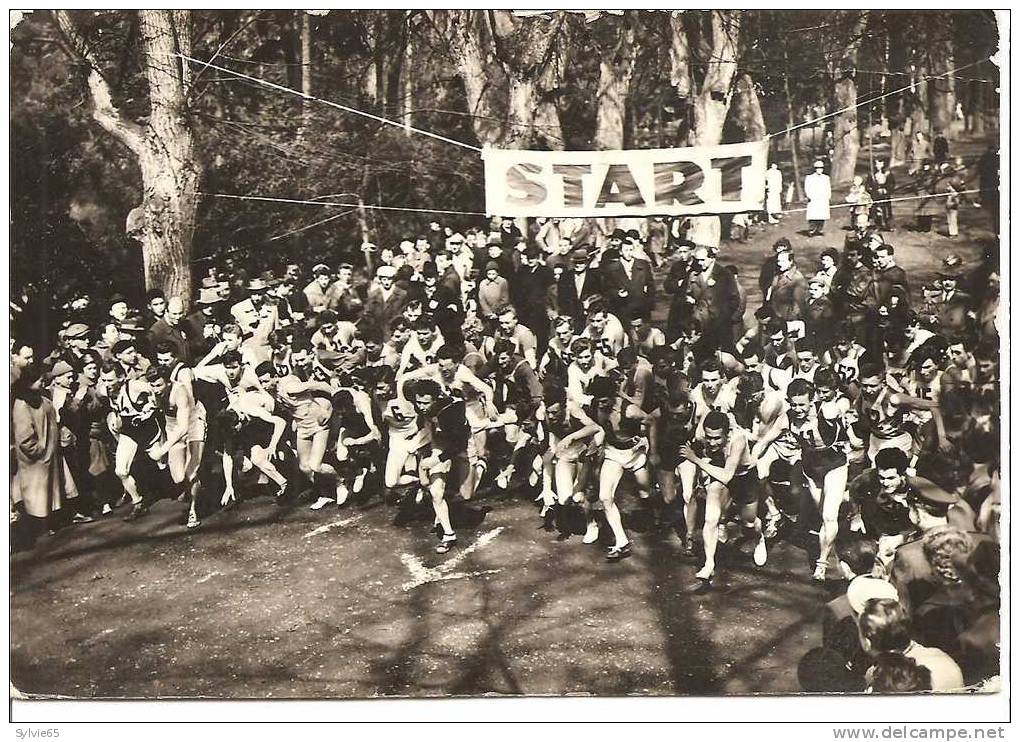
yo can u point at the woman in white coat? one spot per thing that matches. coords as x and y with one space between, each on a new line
818 190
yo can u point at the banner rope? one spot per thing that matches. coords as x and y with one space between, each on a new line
240 197
888 200
340 106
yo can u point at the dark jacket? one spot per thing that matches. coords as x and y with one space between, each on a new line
568 302
639 288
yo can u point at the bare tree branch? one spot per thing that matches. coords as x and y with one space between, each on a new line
104 111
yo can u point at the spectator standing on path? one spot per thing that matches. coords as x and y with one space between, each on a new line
881 185
818 189
940 149
920 152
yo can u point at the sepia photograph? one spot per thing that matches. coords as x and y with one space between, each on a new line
388 354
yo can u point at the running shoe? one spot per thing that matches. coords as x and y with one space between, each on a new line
359 481
616 553
342 493
321 503
761 553
591 534
446 543
193 521
819 575
137 512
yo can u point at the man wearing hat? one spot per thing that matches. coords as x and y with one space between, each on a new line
246 313
118 309
509 234
529 292
172 329
203 322
818 190
384 303
955 308
76 340
576 286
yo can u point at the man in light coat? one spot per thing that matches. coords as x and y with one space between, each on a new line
818 190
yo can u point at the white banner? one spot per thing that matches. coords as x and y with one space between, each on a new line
723 179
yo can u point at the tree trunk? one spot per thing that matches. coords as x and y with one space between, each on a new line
712 101
408 101
170 170
306 68
616 68
846 136
745 112
792 137
943 92
919 103
470 49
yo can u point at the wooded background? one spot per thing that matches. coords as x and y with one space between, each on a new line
115 135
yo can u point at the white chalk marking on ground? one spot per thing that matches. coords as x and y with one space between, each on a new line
206 578
331 526
421 574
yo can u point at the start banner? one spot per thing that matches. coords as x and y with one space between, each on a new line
721 179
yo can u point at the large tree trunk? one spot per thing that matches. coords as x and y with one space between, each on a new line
170 170
919 102
469 44
846 135
712 100
943 89
616 68
164 147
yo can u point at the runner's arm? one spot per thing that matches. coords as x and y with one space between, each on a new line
722 474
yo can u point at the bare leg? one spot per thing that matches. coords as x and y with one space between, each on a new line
716 500
833 491
609 480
